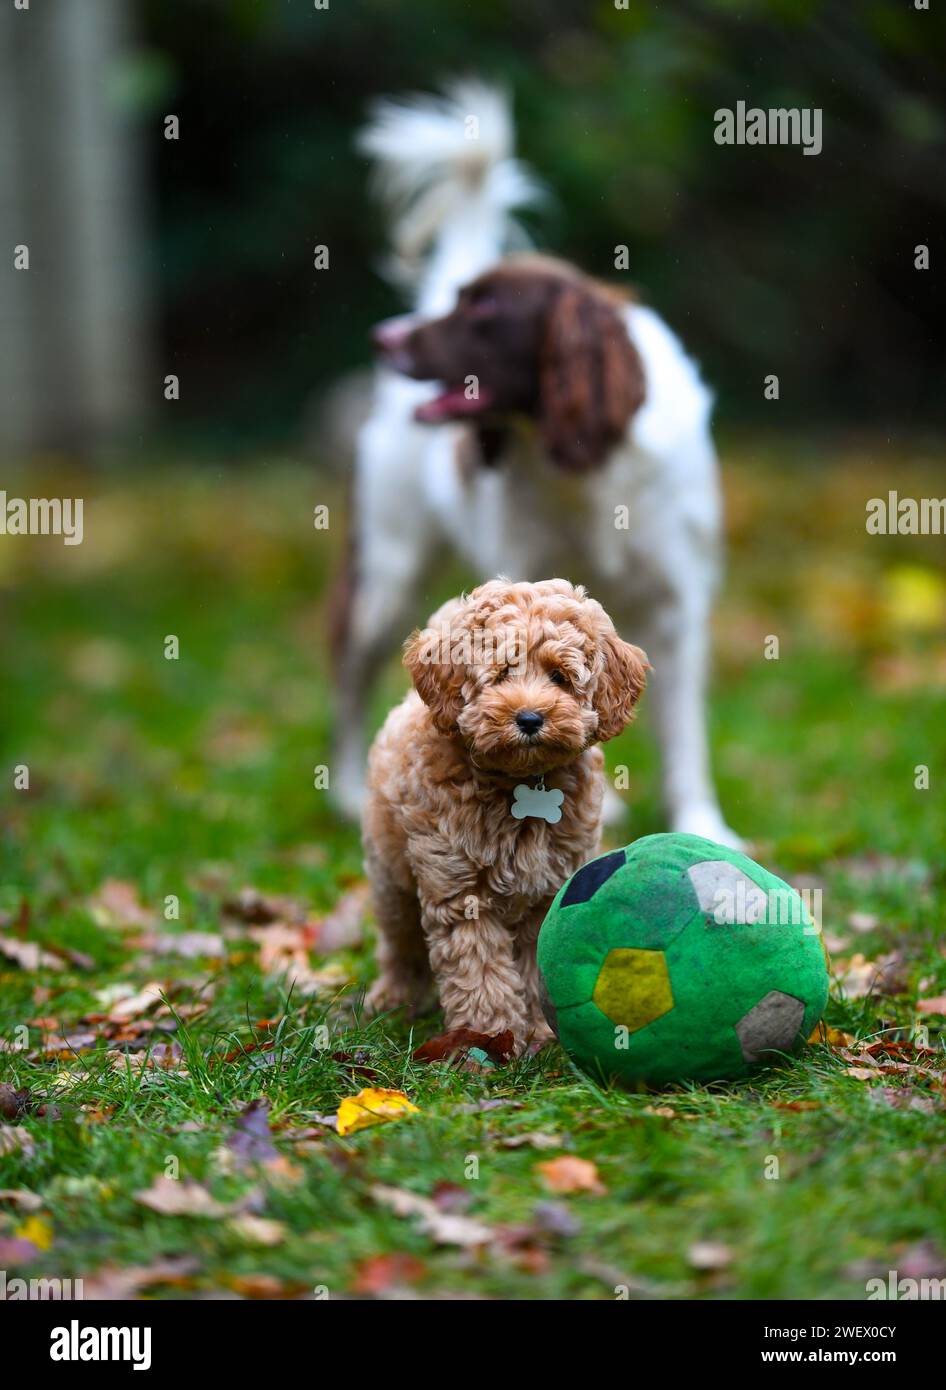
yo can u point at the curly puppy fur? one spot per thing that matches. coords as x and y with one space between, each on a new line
460 886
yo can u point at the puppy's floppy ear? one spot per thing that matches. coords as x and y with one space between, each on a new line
591 380
621 683
437 680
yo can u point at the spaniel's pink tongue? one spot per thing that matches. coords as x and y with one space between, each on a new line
451 403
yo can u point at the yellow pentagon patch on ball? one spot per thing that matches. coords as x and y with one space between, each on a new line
633 987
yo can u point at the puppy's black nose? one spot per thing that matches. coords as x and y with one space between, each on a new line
529 721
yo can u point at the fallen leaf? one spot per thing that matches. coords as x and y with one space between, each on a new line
258 1230
372 1106
831 1037
798 1105
859 977
189 945
932 1006
13 1140
355 1063
266 1286
13 1103
478 1107
182 1197
902 1098
28 955
534 1138
570 1174
110 1283
556 1219
379 1273
21 1197
251 1141
137 1003
861 1073
497 1046
117 906
38 1230
445 1228
709 1254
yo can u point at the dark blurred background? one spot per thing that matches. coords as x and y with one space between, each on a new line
194 256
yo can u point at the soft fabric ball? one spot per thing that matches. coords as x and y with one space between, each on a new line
678 959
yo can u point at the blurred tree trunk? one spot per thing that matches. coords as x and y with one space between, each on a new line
73 327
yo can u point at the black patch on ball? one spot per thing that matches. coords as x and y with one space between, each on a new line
590 877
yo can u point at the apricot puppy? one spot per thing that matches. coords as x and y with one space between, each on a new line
484 794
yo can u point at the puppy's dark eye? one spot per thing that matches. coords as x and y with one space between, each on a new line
558 678
501 674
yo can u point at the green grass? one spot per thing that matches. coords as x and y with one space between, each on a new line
193 778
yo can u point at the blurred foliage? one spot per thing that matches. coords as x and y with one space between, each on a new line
764 259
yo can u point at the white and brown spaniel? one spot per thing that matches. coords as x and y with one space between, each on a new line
533 421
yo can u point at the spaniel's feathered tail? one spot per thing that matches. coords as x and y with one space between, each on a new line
445 168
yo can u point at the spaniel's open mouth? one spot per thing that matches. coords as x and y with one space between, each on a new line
453 403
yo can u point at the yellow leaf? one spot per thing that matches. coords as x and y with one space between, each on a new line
915 599
372 1106
38 1230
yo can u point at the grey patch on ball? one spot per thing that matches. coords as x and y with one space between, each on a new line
548 1008
726 894
770 1026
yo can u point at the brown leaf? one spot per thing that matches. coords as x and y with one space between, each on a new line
445 1228
117 906
266 1286
28 955
497 1046
13 1103
354 1062
570 1174
378 1273
183 1197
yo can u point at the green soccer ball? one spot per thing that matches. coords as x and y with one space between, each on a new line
677 959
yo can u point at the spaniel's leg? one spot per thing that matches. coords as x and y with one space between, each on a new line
377 607
677 648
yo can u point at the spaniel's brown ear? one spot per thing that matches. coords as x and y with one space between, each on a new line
591 379
620 685
437 679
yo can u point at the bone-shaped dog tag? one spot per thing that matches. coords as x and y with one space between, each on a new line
537 802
